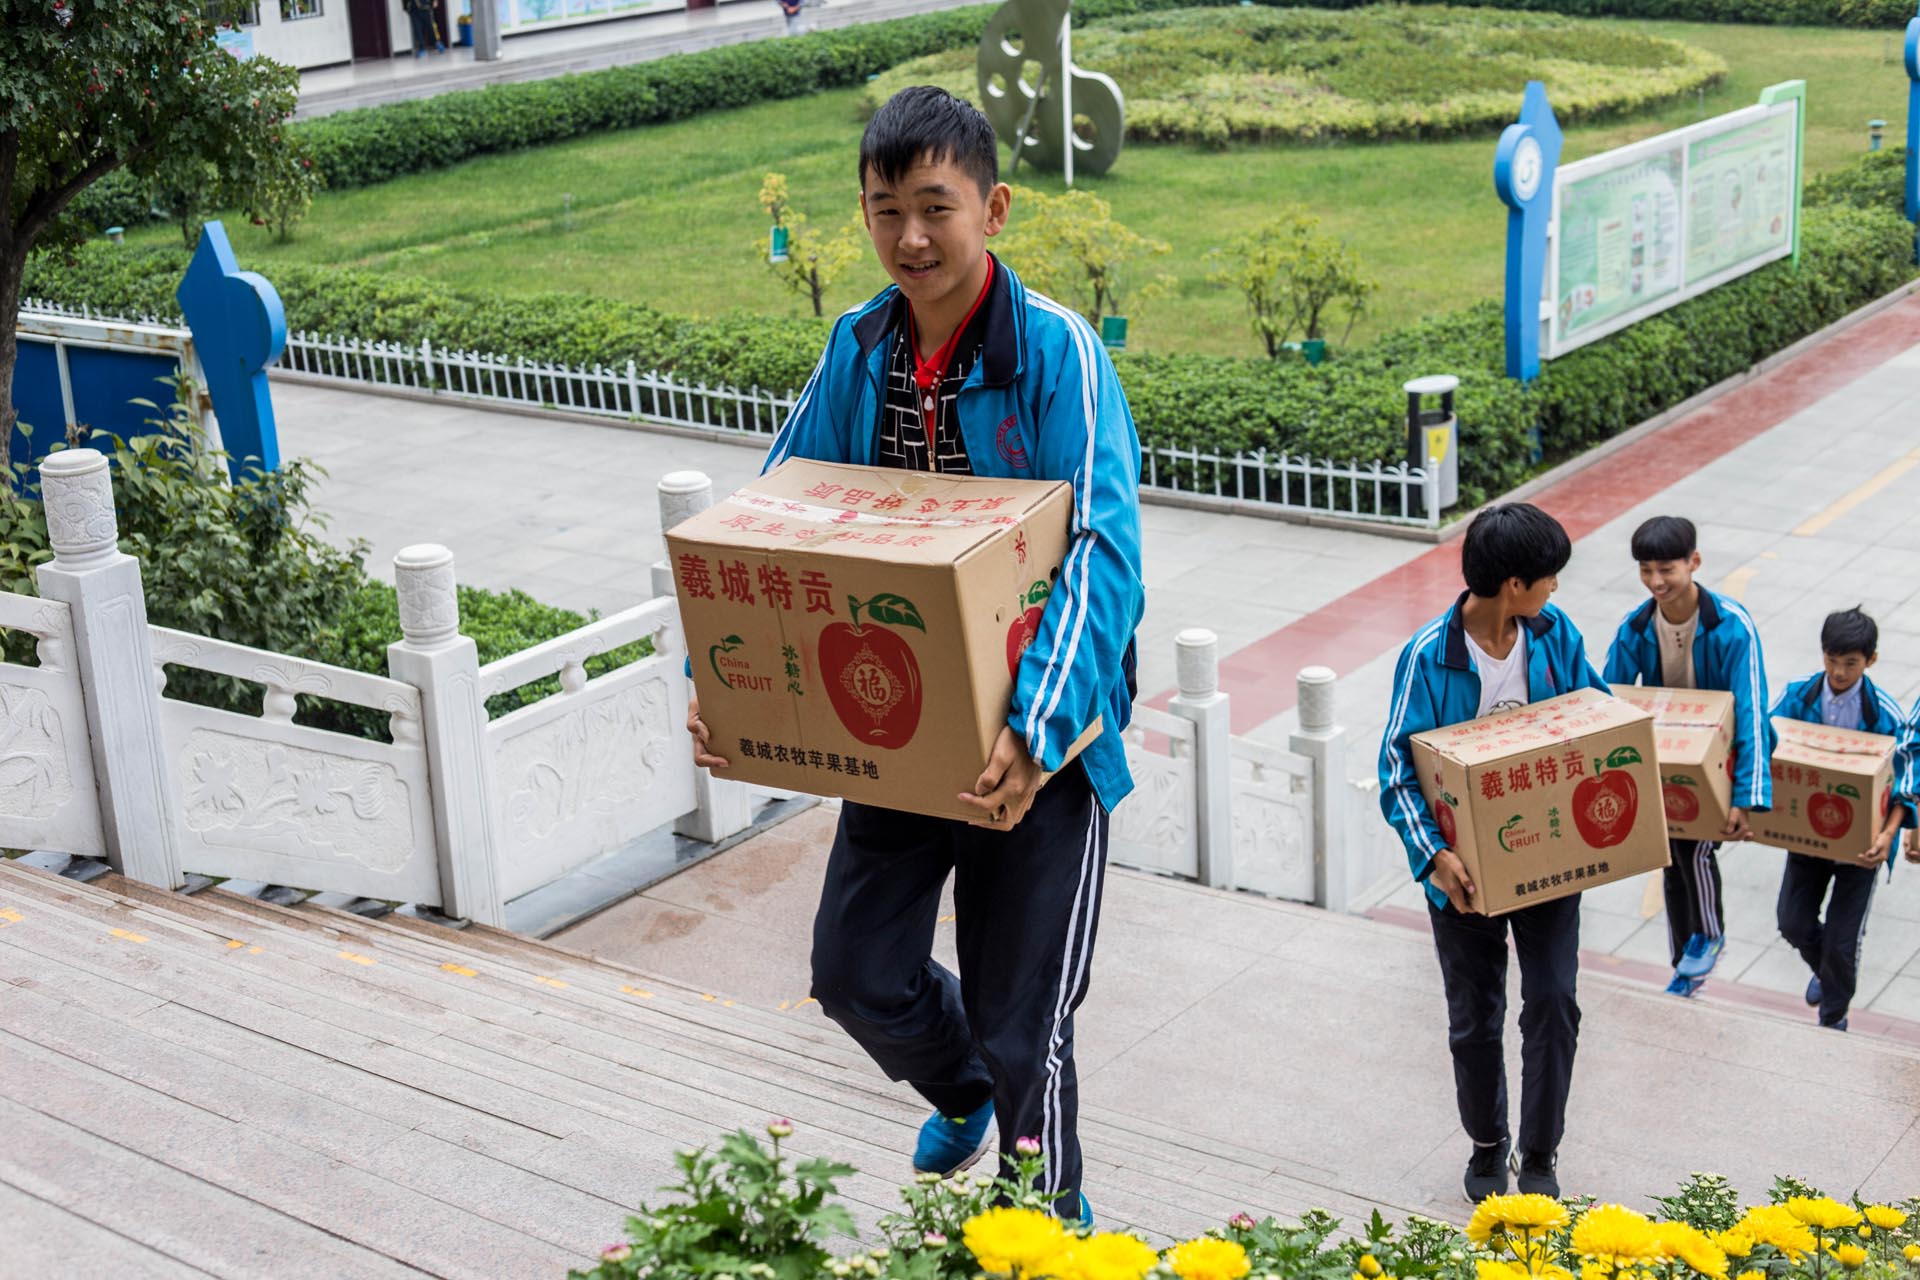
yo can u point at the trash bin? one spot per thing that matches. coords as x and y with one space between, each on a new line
1433 435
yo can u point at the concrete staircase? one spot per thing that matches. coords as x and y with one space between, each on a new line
211 1084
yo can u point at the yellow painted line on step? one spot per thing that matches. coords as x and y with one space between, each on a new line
726 1004
1886 476
552 982
9 916
128 935
357 958
234 944
800 1004
948 919
636 991
709 999
462 970
1735 583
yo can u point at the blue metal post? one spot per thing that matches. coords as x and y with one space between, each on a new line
1523 166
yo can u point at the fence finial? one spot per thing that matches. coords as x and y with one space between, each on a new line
683 494
429 608
77 492
1196 662
1314 687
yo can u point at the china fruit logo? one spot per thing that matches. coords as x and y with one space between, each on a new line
727 645
872 679
1830 813
1026 626
1605 805
1443 815
1677 795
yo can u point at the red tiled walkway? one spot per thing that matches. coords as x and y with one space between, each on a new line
1378 616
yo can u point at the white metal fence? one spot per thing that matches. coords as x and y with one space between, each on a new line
1371 492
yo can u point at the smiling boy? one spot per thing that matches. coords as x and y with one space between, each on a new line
958 368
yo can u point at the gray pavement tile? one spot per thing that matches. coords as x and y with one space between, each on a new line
1900 997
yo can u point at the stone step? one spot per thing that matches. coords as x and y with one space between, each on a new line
47 1241
201 1228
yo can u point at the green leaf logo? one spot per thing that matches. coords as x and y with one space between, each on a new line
1682 780
891 609
1037 593
1505 827
1620 756
1847 789
727 645
1447 798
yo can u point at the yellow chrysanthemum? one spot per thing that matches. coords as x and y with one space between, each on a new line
1690 1245
1773 1225
1851 1256
1490 1269
1553 1271
1110 1255
1734 1242
1886 1217
1911 1253
1013 1241
1208 1259
1823 1213
1368 1266
1615 1236
1751 1275
1530 1212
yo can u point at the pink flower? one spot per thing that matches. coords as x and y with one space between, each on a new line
934 1240
1027 1146
780 1128
616 1252
1241 1222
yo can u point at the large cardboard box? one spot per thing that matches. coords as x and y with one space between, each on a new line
1548 799
1693 740
1831 788
854 631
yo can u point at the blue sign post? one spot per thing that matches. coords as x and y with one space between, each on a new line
1913 124
1523 166
239 328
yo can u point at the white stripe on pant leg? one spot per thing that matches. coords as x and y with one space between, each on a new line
1049 1118
1860 938
1079 988
1704 895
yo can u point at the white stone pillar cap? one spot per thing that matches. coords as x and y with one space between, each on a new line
429 606
77 495
1196 662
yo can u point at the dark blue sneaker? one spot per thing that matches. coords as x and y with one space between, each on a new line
1084 1220
948 1145
1814 991
1684 986
1837 1025
1701 954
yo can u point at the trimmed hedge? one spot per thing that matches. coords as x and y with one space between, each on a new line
1349 408
373 144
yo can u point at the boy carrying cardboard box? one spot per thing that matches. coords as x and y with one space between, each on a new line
1842 696
1500 647
957 368
1688 637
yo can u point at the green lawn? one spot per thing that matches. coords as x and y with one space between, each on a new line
667 215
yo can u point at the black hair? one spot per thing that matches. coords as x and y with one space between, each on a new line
1512 540
924 122
1665 538
1849 631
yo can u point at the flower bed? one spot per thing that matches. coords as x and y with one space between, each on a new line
751 1213
1211 75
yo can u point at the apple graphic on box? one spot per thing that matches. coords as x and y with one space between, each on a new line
872 679
1026 625
1682 805
1605 805
1830 813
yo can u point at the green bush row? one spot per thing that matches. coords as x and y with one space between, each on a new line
1855 248
372 144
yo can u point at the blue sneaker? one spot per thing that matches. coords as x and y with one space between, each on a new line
1701 955
1684 986
948 1145
1083 1221
1814 990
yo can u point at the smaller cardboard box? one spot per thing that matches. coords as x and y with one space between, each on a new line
855 631
1831 788
1548 799
1693 740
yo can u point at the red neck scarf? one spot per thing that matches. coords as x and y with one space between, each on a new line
929 374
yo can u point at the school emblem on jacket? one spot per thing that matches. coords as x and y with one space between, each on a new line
1008 440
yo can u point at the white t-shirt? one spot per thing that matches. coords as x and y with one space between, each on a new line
1676 649
1503 681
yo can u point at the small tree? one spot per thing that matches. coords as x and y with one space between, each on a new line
814 260
1069 246
1294 278
91 86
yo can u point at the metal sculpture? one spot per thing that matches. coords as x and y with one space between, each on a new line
1033 93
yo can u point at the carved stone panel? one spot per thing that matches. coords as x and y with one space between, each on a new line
36 777
1156 827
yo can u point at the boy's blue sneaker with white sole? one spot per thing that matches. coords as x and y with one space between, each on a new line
949 1144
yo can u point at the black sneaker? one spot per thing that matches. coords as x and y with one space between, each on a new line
1487 1172
1537 1176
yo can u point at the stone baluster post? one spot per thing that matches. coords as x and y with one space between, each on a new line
721 808
1325 743
444 665
1197 673
113 656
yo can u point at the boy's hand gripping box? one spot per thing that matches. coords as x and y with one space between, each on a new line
855 631
1831 789
1694 745
1548 799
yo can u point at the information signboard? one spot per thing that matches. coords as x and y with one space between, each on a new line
1640 228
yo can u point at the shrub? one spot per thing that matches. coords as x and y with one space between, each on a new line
1207 76
1070 247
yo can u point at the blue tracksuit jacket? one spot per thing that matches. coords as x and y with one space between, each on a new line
1435 685
1879 713
1726 656
1042 403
